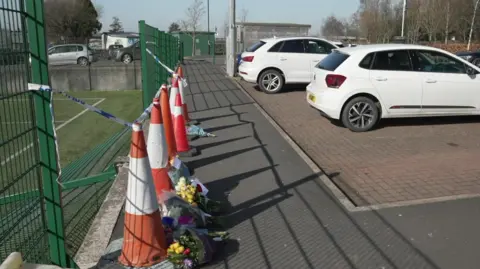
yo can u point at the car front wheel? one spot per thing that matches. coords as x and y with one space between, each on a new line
127 58
360 114
271 81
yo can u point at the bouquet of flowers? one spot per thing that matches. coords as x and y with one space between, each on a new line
193 192
190 249
179 209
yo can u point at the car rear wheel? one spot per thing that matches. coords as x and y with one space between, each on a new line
127 58
360 114
271 81
82 61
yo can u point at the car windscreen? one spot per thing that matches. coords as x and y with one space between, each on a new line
332 61
255 46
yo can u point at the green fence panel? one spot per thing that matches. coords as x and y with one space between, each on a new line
166 48
31 217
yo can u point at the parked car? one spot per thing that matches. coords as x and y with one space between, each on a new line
360 85
274 62
128 54
471 56
71 54
112 50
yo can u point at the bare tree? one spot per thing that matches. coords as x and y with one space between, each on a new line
243 15
332 26
116 25
192 24
472 24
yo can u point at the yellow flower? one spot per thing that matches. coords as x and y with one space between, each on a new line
175 245
179 250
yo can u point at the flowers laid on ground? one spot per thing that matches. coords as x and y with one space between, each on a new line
194 193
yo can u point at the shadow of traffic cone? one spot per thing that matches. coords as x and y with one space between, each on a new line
158 152
182 93
168 122
144 242
183 148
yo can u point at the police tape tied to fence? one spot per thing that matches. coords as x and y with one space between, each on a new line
145 114
37 87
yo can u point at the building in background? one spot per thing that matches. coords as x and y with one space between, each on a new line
250 32
104 40
204 43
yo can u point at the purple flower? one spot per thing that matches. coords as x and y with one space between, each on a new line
188 263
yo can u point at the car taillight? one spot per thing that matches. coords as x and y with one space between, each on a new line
335 81
247 59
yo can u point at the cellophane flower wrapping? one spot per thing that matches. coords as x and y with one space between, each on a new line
205 246
175 207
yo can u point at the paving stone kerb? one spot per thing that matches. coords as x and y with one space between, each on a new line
402 160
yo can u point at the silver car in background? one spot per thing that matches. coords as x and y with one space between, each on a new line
71 54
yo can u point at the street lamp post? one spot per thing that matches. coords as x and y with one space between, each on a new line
403 17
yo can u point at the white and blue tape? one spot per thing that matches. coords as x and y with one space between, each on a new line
38 87
184 81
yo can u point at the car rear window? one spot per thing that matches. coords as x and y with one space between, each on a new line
332 61
255 46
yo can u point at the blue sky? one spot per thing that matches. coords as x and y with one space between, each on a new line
160 13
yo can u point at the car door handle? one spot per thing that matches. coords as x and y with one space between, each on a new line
283 59
429 80
380 79
316 61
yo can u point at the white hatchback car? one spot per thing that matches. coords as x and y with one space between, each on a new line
273 62
360 85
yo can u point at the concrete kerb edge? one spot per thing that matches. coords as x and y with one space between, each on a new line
315 168
342 198
100 232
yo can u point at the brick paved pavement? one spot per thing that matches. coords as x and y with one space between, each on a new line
405 159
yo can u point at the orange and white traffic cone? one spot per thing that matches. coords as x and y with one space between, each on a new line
182 93
144 242
158 152
183 148
173 94
168 122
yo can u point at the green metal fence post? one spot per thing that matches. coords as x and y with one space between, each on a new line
163 54
45 132
158 78
214 49
144 55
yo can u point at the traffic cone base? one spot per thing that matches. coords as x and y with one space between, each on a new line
144 242
139 225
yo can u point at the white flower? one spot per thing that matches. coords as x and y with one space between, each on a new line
182 180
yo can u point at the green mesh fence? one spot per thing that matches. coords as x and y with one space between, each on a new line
23 225
167 48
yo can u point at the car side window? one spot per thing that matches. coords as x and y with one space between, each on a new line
71 48
61 49
476 62
394 60
293 46
276 47
318 47
79 48
366 63
436 62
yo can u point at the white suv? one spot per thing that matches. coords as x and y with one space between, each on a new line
360 85
273 62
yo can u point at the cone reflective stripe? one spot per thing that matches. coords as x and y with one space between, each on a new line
144 241
182 94
167 122
179 126
173 92
158 152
